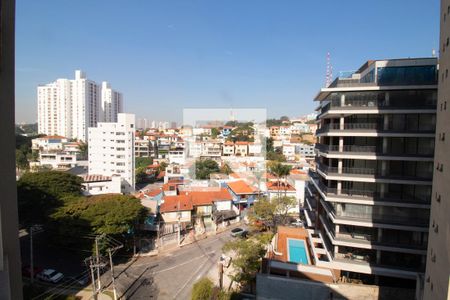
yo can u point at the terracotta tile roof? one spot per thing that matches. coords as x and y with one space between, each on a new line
95 178
269 175
283 186
175 203
153 193
241 143
206 196
298 172
240 187
229 143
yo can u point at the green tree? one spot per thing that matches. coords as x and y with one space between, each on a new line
21 160
226 169
141 176
142 162
162 167
272 212
246 259
111 214
40 194
202 289
274 156
205 167
84 147
214 132
281 171
269 145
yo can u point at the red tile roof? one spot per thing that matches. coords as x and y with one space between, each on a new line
176 203
207 196
48 137
241 143
240 187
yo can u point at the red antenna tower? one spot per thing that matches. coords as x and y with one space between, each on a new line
329 75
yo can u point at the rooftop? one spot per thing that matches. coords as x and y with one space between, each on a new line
240 187
176 203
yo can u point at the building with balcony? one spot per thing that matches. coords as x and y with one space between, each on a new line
437 276
111 150
371 192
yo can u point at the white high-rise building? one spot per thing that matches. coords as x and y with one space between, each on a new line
112 103
111 150
68 107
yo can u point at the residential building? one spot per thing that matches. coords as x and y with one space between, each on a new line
57 160
228 148
176 208
99 184
305 150
437 276
289 152
254 149
68 107
243 194
111 150
374 169
48 143
112 103
241 148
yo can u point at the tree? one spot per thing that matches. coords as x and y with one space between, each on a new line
111 214
272 211
246 260
274 156
281 171
21 160
226 169
83 149
142 162
40 194
269 145
141 175
204 168
202 289
162 167
214 132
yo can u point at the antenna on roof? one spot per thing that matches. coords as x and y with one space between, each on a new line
329 74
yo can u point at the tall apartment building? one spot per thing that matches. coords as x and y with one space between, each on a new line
68 107
374 168
112 103
437 276
111 150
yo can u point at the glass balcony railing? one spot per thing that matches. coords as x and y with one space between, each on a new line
425 128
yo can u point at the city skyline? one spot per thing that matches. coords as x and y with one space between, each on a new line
209 54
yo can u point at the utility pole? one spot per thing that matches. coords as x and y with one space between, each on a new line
94 288
112 270
98 263
179 227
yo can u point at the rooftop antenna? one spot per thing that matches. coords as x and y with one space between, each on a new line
329 75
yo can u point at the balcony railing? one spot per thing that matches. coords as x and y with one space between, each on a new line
345 170
375 104
425 128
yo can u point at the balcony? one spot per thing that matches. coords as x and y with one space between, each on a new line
376 104
371 127
346 148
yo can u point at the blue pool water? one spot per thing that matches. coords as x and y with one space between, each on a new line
297 251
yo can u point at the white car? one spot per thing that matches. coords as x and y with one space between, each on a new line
50 275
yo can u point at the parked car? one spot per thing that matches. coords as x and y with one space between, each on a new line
238 232
50 275
26 271
297 223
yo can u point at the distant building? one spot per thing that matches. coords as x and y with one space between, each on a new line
68 107
112 150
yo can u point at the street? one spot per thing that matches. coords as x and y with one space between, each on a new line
171 275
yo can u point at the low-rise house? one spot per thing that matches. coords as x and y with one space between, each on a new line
48 143
177 208
305 150
243 194
289 152
211 149
99 184
280 189
254 149
177 155
228 148
274 131
241 148
57 160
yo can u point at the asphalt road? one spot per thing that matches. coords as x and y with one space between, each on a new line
170 275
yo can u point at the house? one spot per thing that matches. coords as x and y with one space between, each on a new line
48 143
151 199
57 160
177 155
228 148
241 148
298 179
99 184
243 194
254 149
289 152
176 208
226 131
274 131
280 189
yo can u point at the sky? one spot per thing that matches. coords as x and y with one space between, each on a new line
165 56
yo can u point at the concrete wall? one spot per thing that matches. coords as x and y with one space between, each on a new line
10 274
437 276
273 287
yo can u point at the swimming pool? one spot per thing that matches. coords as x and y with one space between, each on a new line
297 251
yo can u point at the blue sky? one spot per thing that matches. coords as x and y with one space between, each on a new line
168 55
